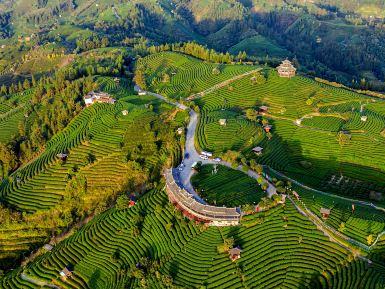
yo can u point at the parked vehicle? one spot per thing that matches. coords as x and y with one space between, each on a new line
217 160
207 154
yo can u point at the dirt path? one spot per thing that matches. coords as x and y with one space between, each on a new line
37 282
222 84
331 232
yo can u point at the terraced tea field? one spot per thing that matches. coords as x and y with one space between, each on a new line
307 119
235 135
357 222
185 75
284 248
9 122
226 187
118 87
259 46
99 130
98 142
12 112
318 137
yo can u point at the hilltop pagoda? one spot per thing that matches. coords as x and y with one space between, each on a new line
286 69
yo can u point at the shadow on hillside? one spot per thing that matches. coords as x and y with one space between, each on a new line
94 279
174 268
289 157
310 281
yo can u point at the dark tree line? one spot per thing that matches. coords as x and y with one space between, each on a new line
94 42
199 51
5 29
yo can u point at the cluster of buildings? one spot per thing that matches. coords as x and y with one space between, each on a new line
101 97
194 210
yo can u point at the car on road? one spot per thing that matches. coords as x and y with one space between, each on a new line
180 168
203 157
217 160
186 155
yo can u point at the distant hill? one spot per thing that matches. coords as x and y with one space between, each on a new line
329 38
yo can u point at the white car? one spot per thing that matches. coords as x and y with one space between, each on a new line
180 168
217 160
203 157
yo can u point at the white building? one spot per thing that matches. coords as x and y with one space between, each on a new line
102 97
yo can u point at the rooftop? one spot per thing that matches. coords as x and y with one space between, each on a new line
258 149
325 211
187 201
235 251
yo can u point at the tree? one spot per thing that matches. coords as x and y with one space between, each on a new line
166 78
251 114
122 202
259 169
231 156
216 71
247 208
169 226
90 158
343 138
139 78
228 243
3 90
264 186
8 160
105 42
33 81
158 209
370 239
26 84
265 122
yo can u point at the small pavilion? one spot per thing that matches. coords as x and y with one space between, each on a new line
325 213
62 156
258 150
65 273
180 130
263 109
235 253
286 69
267 128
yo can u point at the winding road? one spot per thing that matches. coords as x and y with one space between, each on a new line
185 171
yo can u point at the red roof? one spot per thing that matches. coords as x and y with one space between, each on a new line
131 203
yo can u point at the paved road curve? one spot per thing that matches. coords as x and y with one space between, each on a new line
184 176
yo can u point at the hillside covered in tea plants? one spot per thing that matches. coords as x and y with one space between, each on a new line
168 144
